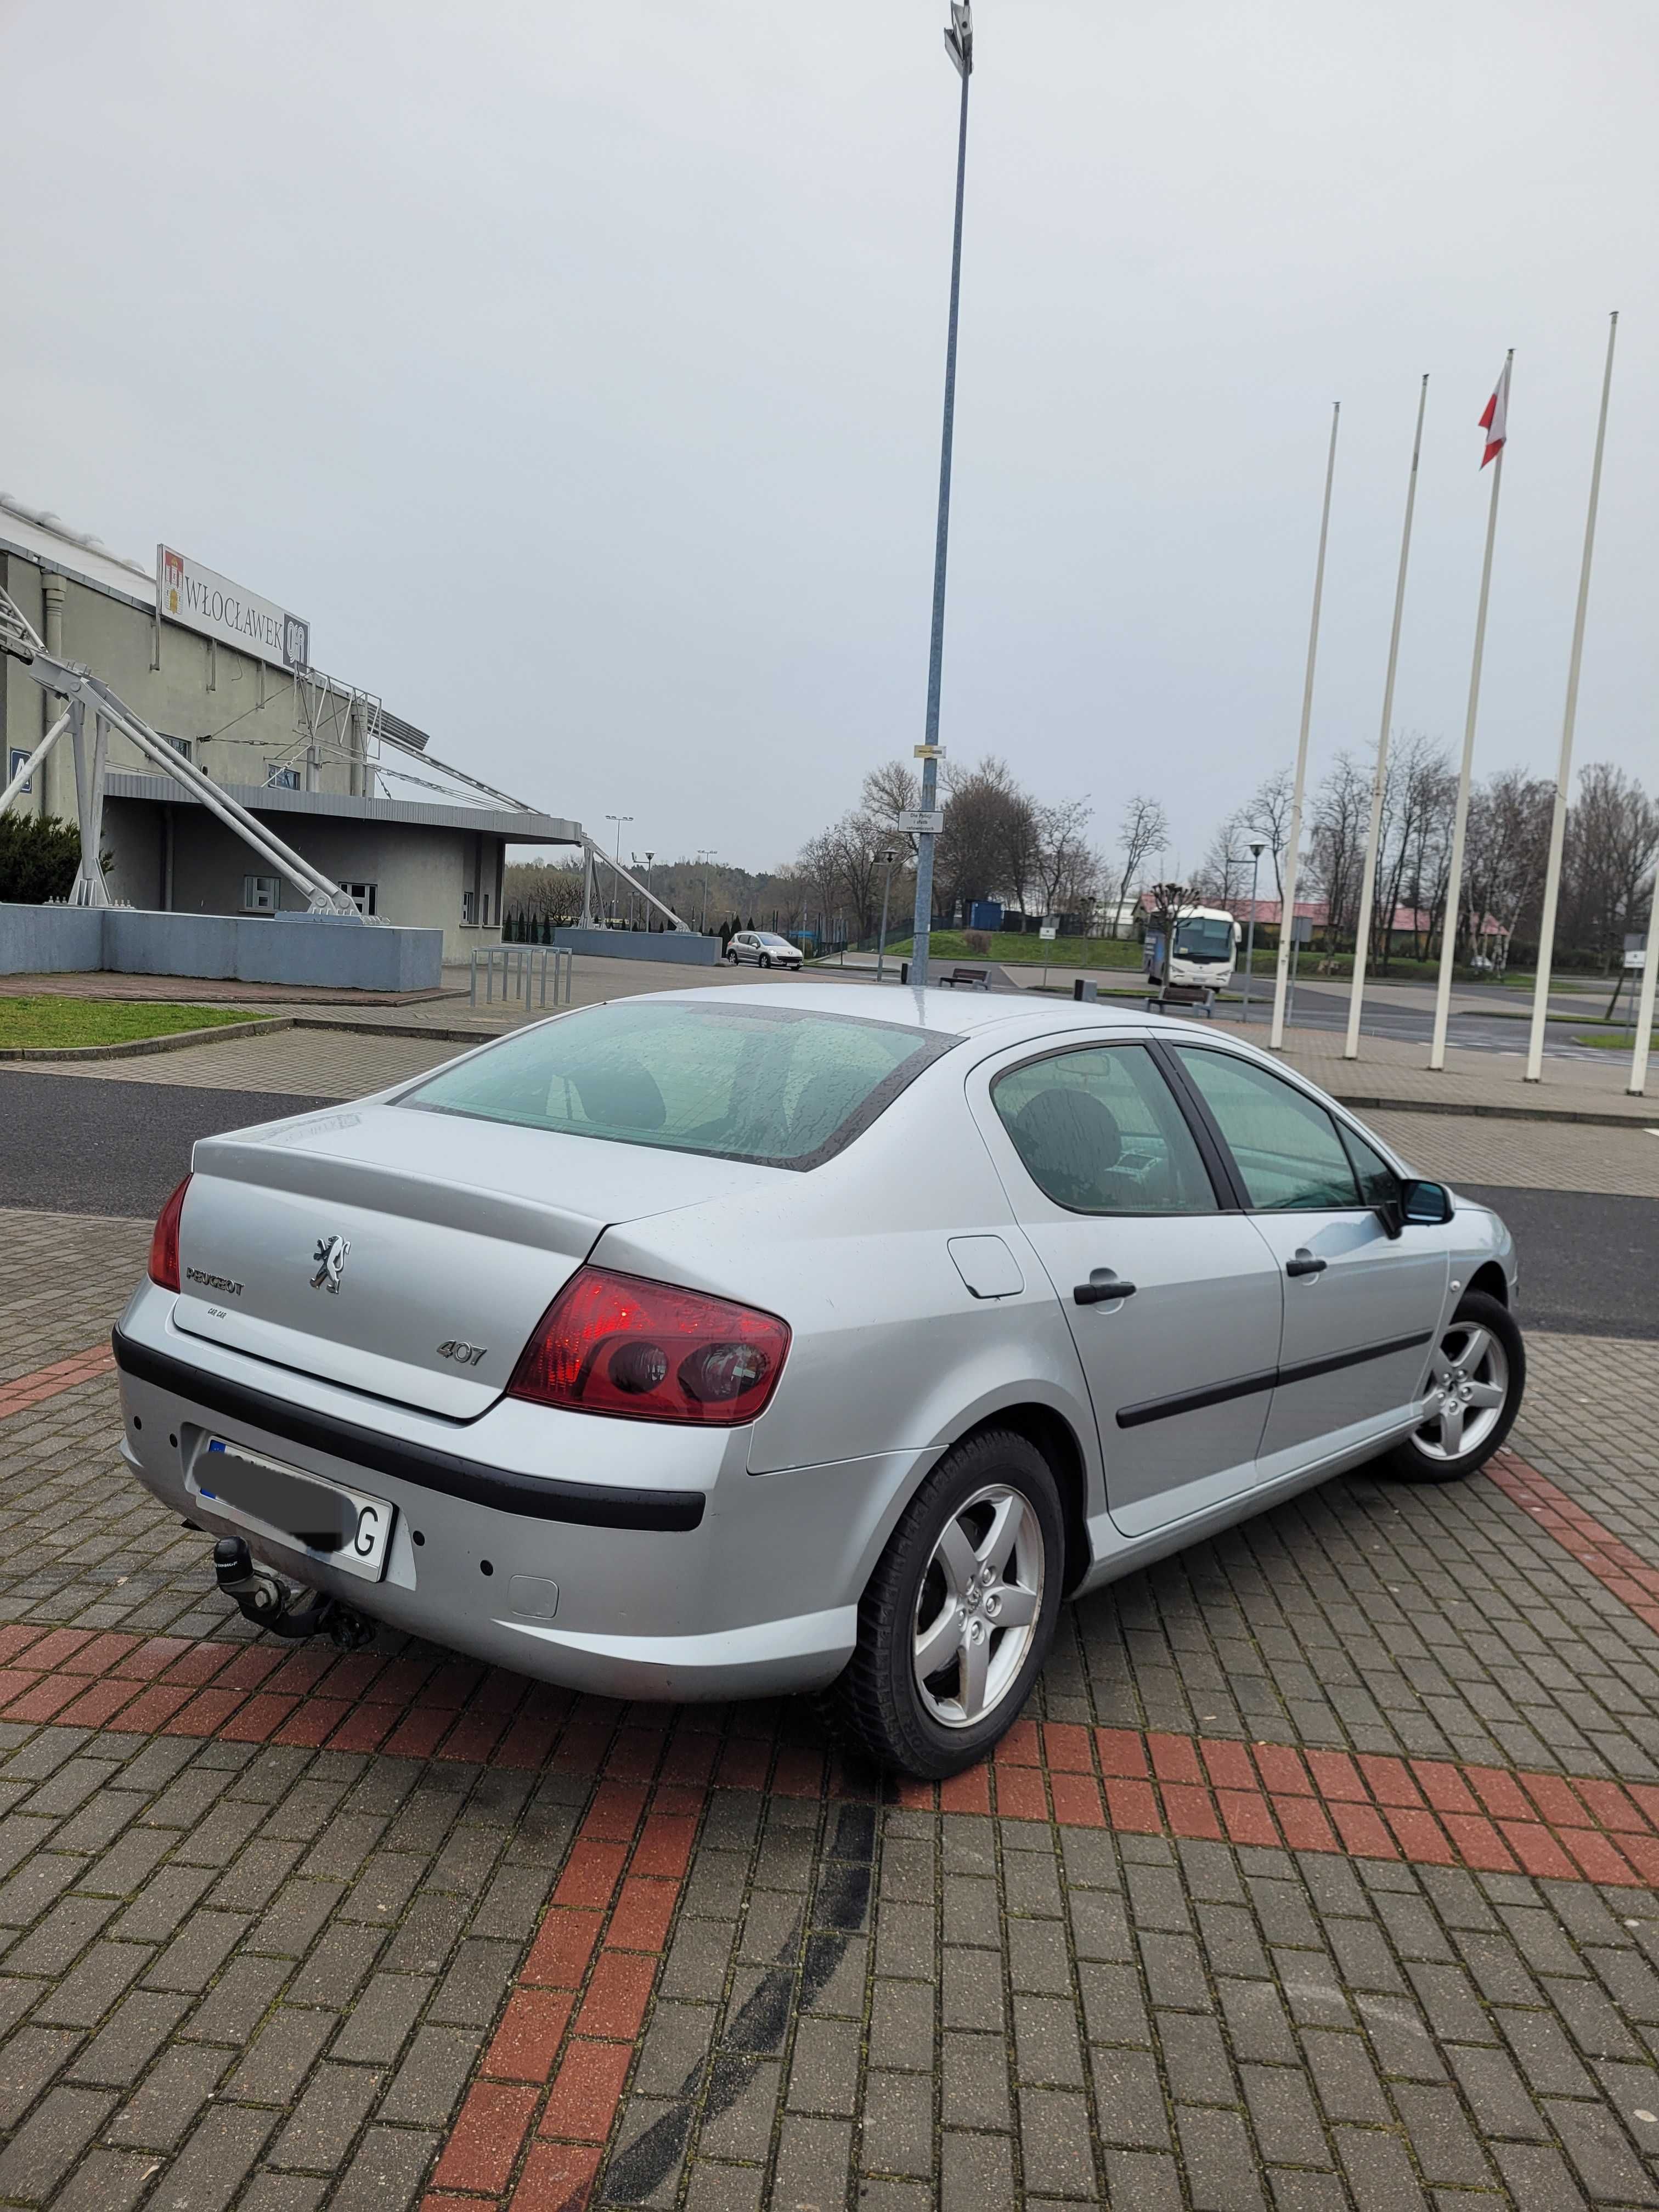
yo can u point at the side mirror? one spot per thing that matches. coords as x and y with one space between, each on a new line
1426 1203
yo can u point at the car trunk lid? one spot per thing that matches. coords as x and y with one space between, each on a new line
407 1255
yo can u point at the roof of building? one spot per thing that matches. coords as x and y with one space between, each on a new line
520 829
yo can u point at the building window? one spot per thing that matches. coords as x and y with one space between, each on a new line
486 910
469 908
183 746
279 778
362 896
19 754
261 893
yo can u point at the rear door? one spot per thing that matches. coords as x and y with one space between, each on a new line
1109 1179
1360 1304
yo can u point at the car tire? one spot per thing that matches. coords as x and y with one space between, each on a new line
732 957
882 1705
766 960
1480 1350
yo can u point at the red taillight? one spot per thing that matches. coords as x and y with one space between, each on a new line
651 1351
164 1241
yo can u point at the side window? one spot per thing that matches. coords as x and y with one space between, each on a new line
1379 1183
1099 1131
1285 1145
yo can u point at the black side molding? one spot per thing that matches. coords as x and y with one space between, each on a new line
589 1505
1265 1379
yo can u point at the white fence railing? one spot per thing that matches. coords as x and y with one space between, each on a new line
524 970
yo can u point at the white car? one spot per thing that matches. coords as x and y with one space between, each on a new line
722 1343
764 948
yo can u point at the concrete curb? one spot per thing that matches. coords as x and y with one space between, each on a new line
1500 1113
138 1048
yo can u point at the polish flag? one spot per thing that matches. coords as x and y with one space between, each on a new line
1494 420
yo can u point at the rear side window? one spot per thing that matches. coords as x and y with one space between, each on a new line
1099 1132
1285 1146
763 1083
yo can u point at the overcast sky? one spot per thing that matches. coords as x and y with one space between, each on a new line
576 370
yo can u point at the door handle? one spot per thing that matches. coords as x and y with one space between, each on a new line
1102 1285
1304 1263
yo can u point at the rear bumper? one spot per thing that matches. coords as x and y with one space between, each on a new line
723 1585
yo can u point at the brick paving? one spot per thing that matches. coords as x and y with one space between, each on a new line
1321 1874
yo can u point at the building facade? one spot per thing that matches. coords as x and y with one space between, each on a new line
304 754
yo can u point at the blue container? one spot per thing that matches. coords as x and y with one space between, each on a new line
985 914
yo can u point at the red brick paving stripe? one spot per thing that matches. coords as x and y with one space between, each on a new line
1428 1812
33 1389
1608 1558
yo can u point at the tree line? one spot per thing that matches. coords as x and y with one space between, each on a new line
1612 843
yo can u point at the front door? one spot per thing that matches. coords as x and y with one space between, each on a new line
1110 1184
1360 1304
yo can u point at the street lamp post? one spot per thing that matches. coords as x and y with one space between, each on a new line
1256 851
960 45
889 856
648 858
618 819
705 854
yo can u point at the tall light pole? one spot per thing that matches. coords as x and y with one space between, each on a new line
1256 851
889 856
960 45
705 854
648 859
618 819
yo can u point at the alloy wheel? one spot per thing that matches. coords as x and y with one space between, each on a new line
977 1608
1471 1373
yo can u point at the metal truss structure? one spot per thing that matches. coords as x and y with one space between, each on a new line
336 720
84 695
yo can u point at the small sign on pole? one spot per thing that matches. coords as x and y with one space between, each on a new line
1048 929
920 819
1636 952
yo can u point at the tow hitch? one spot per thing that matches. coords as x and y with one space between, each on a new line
269 1602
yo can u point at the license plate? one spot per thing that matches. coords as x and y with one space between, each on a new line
344 1529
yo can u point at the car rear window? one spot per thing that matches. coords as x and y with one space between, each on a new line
782 1088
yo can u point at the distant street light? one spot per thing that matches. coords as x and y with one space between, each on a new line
960 45
618 819
1256 851
889 856
648 858
705 854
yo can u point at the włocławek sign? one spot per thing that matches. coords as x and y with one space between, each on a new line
203 600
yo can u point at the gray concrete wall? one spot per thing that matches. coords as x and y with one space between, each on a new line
285 949
671 945
420 871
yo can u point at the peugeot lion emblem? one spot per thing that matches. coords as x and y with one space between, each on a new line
330 1255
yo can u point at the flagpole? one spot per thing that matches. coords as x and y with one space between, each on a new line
1460 820
1638 1059
1293 843
1541 997
1367 888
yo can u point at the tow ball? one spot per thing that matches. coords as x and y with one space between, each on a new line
269 1601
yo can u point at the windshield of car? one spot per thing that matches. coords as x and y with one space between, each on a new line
767 1084
770 937
1203 938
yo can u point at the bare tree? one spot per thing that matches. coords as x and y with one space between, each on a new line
1068 871
1336 845
1144 830
1613 835
1225 861
1267 816
1503 864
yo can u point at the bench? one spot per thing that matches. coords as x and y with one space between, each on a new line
969 979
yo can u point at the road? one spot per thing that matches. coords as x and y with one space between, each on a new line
69 1145
1403 1011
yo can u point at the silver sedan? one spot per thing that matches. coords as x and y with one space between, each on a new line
711 1344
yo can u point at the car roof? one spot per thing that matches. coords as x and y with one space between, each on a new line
942 1012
